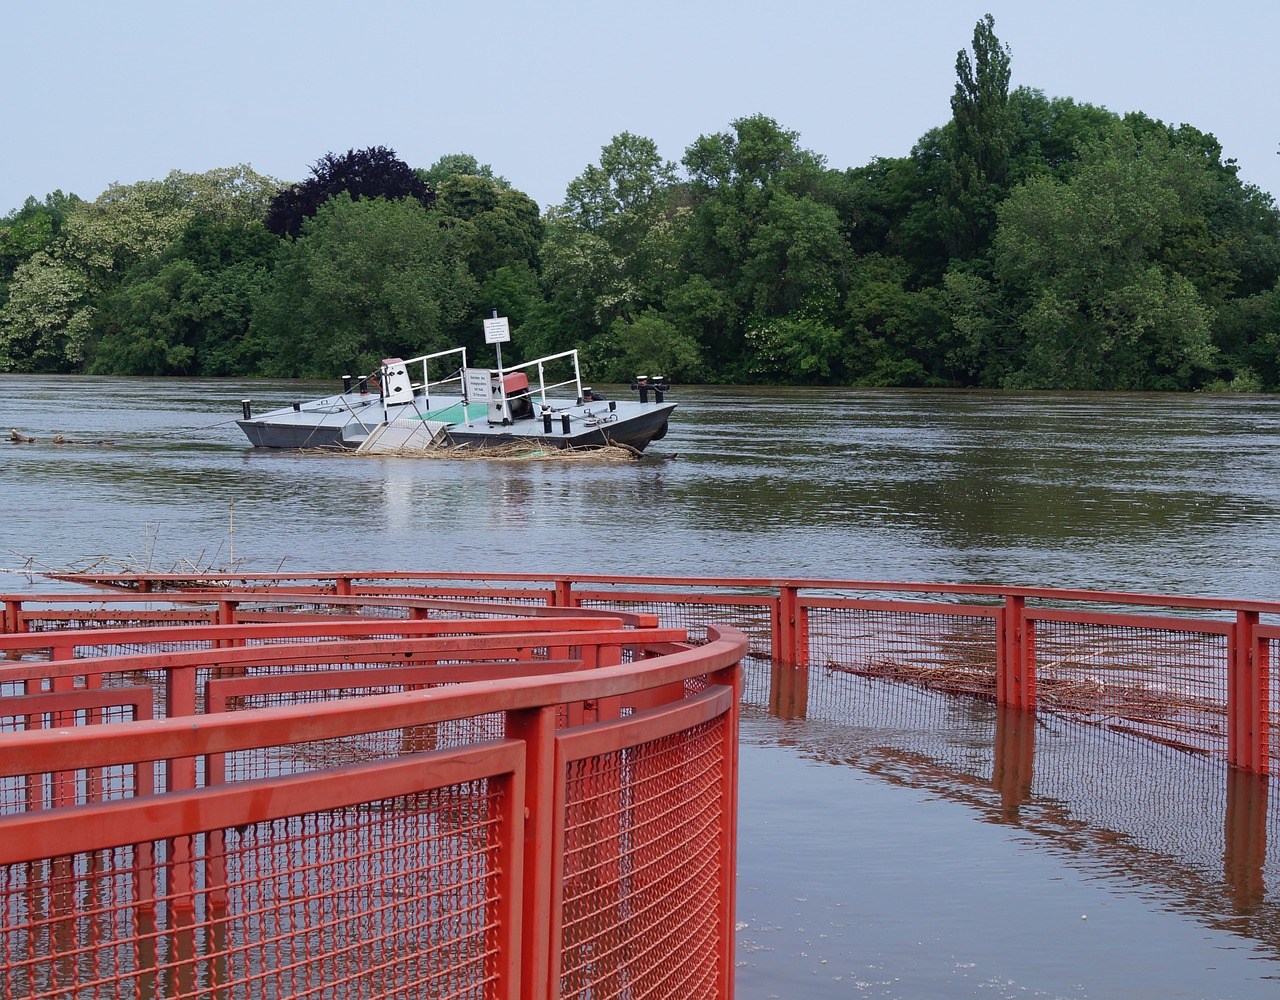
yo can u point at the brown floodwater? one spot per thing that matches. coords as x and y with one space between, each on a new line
892 843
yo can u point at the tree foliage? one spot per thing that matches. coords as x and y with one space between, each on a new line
1028 241
365 280
977 142
367 173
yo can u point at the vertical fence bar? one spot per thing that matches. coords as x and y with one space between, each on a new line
12 615
786 642
508 859
732 677
564 596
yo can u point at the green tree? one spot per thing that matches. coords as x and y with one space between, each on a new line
365 280
612 244
460 164
32 227
978 142
187 311
1247 332
649 344
50 319
497 225
762 241
1084 266
897 336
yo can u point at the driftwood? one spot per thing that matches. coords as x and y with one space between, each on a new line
59 439
17 437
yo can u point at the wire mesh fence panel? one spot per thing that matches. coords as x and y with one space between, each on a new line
77 786
392 898
1162 683
1184 828
38 622
752 617
387 744
935 650
642 869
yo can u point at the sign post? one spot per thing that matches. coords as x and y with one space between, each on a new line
497 331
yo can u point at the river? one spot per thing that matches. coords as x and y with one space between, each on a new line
862 872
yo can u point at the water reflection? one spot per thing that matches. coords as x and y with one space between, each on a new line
1182 830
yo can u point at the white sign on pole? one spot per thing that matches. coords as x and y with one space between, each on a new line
479 384
497 330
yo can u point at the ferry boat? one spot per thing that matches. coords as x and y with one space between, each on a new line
400 409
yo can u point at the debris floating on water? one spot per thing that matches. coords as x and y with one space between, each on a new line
515 451
17 437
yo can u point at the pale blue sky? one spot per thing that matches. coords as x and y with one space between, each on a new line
97 92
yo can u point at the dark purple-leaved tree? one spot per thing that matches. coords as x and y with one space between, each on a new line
365 173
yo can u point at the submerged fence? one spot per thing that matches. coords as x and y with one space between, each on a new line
540 805
1192 673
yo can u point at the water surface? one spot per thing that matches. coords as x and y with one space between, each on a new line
885 851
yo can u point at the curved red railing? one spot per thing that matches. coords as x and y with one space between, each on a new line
541 805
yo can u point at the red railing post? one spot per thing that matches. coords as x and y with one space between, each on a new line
564 597
732 677
1247 696
227 616
537 728
12 615
786 639
1015 659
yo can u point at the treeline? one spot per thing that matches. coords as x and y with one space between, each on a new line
1030 242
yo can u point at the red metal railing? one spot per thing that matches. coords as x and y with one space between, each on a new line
1189 672
606 778
501 810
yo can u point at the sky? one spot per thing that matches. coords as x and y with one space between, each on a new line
94 93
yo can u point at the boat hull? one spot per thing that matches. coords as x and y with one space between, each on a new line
323 425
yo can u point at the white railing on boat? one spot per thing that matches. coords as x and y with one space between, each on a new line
426 385
543 386
397 391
